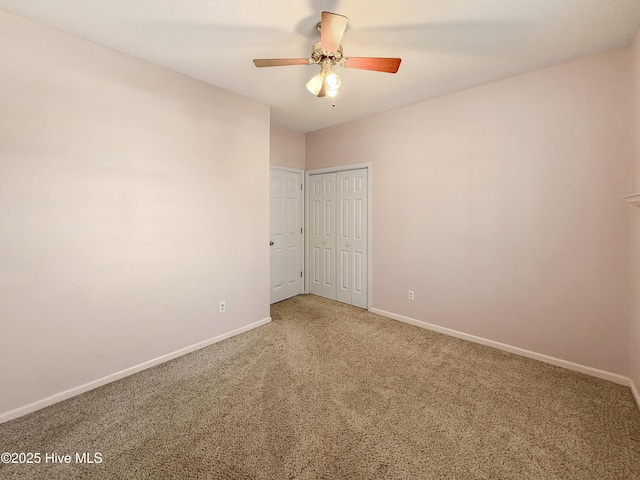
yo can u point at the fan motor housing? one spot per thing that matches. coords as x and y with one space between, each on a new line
319 54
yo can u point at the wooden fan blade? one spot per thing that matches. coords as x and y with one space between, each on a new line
332 27
389 65
279 62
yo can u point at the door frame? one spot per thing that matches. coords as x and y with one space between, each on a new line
354 166
301 219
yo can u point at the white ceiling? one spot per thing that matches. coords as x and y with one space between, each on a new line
445 45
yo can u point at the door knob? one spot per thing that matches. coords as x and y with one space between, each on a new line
346 244
270 243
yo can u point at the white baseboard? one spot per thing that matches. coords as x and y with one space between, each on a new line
635 393
594 372
72 392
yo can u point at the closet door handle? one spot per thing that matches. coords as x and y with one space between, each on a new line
347 244
270 243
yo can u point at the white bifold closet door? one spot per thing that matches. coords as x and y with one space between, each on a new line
338 236
322 235
352 242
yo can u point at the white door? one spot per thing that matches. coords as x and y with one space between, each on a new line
322 235
338 236
286 234
352 262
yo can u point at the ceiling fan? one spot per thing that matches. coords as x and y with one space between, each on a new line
328 53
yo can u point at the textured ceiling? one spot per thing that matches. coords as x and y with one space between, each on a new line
445 45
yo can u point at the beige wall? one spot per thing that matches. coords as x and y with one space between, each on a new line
287 148
132 201
635 231
500 206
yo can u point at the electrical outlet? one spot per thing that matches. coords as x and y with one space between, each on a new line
223 306
411 295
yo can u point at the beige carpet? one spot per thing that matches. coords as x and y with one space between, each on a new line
328 391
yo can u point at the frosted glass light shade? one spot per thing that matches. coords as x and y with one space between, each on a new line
331 83
315 83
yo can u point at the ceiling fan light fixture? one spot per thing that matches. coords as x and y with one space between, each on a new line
330 80
315 84
332 93
332 84
327 53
